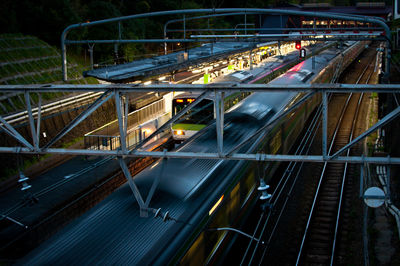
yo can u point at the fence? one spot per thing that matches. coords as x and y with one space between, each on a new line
107 137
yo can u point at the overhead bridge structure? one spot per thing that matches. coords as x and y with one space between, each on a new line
117 93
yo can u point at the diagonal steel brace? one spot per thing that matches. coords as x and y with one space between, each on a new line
82 116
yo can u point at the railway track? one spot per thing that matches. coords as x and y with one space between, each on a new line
328 213
281 222
53 107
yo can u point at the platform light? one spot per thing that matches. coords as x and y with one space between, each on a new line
179 100
147 82
190 100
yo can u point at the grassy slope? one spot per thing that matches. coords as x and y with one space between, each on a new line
29 60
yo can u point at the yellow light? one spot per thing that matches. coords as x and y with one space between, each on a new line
216 205
179 100
190 100
179 132
148 131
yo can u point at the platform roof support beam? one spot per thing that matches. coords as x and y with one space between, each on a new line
324 124
244 11
226 87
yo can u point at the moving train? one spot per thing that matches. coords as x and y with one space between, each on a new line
198 117
194 197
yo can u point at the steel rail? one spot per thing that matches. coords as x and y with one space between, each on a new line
324 170
55 186
17 117
320 183
292 165
355 118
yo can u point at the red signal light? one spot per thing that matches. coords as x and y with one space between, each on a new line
298 45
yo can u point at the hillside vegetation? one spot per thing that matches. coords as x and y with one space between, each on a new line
29 60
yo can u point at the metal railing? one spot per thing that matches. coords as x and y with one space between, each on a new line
107 137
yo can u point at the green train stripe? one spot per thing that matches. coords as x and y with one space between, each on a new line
194 127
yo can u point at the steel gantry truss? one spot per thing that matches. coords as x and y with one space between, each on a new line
119 93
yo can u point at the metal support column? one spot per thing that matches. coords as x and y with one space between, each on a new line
165 37
362 166
251 59
388 180
219 111
121 123
31 121
245 23
184 27
39 118
324 124
64 67
91 55
126 112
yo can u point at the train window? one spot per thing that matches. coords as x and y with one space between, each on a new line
247 187
234 200
196 252
276 142
202 113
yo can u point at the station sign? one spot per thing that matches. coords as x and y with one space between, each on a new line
374 197
206 78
